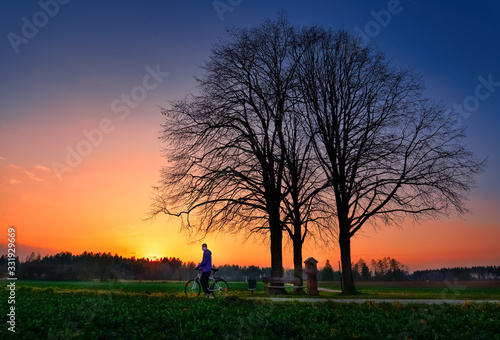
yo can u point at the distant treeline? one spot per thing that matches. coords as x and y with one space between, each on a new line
104 266
388 269
100 266
459 273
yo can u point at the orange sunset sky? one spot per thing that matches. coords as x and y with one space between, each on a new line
78 159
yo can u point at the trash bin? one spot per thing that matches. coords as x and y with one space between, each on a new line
252 285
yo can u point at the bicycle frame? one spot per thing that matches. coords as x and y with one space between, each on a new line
211 280
216 285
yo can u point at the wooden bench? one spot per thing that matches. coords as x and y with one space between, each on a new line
272 282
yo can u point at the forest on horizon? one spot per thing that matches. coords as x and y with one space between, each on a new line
105 266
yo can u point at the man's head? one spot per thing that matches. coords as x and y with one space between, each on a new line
204 246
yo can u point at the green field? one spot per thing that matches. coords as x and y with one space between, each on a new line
156 310
469 290
442 290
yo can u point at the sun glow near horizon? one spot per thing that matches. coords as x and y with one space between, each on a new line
443 249
94 211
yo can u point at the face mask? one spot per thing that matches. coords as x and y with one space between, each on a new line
203 248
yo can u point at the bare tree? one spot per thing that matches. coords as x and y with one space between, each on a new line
227 144
388 151
281 116
304 206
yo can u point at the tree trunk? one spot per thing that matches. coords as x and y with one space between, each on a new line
297 256
276 250
276 259
345 258
276 243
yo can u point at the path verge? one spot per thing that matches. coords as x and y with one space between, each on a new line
403 301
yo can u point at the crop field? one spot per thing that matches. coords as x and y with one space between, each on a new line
159 310
438 290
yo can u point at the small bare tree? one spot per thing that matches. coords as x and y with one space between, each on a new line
387 151
305 208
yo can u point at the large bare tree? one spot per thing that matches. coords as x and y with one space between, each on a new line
388 151
227 145
282 115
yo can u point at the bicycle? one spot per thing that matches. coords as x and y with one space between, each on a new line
216 285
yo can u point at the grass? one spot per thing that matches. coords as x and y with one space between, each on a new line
118 287
446 290
118 310
433 291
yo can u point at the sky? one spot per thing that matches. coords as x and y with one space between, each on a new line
81 83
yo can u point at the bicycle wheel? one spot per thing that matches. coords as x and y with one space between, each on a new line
192 288
219 288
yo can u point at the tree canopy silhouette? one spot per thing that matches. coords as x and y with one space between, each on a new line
298 126
237 158
388 151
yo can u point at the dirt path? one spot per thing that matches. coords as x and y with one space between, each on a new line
403 301
330 290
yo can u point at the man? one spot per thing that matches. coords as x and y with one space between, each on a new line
206 267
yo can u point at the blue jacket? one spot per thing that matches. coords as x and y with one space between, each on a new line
206 264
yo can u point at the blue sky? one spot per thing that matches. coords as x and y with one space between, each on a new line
86 54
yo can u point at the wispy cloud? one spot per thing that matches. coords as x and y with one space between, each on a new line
42 168
13 166
129 230
32 176
2 158
13 181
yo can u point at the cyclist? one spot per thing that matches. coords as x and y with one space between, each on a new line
206 267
